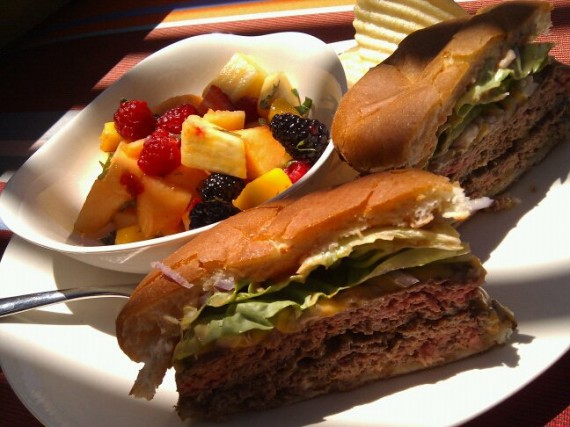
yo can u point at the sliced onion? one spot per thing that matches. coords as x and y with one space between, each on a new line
225 285
171 274
403 279
481 203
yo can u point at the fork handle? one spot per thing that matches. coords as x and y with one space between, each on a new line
20 303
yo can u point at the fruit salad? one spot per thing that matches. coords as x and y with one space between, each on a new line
194 160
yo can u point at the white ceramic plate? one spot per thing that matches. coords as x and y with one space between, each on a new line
65 365
42 200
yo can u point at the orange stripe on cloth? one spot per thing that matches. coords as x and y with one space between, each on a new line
183 14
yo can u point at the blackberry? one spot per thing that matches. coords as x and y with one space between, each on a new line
303 139
219 186
211 211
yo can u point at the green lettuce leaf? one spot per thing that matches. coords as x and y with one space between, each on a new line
357 259
493 87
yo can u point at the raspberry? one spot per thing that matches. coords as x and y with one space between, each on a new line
134 120
160 153
296 170
209 212
173 118
303 138
132 184
219 186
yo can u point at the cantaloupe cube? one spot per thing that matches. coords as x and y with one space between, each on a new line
160 207
262 151
106 196
186 178
132 149
109 139
262 189
125 217
229 120
209 147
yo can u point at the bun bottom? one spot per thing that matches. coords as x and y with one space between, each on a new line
377 336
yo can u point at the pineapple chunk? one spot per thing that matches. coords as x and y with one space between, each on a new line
106 196
129 234
229 120
207 146
275 85
109 138
160 207
262 151
262 189
241 77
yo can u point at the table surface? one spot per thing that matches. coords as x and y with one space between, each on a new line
56 57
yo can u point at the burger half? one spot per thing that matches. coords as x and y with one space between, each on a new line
475 99
301 297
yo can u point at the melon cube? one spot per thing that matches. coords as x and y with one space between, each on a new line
262 189
106 196
207 146
125 217
186 178
132 149
160 207
262 151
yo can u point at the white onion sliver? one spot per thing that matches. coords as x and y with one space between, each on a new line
225 285
481 203
171 274
404 279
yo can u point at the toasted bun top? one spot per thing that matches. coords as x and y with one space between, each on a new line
390 118
270 241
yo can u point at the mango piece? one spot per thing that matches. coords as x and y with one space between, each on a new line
240 77
263 188
281 106
229 120
160 207
262 151
106 196
129 234
109 139
210 147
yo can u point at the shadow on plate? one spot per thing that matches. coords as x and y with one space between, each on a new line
486 230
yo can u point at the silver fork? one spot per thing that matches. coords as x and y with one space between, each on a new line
20 303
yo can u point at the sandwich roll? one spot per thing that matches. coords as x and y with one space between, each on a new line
475 99
321 293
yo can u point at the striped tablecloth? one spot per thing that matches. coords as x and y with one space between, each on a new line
57 67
